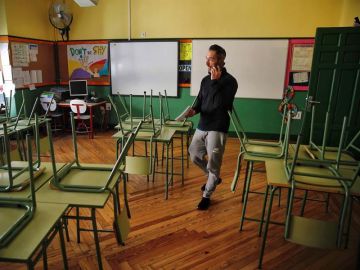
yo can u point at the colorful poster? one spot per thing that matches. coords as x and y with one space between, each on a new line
185 51
87 61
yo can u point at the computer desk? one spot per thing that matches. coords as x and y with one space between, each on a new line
90 105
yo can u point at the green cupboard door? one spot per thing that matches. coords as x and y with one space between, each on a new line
335 82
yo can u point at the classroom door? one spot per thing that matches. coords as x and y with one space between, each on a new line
335 82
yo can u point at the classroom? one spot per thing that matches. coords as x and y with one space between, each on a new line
163 134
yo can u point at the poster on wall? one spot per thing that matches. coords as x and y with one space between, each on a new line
20 54
88 61
185 55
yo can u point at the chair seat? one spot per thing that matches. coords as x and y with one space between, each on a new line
313 232
88 177
20 182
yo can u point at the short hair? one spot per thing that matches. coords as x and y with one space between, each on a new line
218 49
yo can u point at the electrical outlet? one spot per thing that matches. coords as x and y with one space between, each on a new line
108 106
143 34
297 116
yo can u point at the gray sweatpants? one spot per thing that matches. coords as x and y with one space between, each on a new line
212 144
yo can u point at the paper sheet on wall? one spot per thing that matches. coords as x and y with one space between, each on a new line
26 75
20 54
39 76
33 52
5 61
7 73
300 77
33 76
17 72
302 58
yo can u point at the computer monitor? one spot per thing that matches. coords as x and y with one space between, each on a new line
78 88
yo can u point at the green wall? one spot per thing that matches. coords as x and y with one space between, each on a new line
258 116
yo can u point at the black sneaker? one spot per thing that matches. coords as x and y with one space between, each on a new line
204 204
218 183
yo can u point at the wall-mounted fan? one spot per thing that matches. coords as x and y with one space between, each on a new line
61 17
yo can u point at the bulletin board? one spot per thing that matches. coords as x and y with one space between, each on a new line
258 65
299 62
84 60
32 62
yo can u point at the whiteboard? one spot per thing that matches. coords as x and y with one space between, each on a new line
141 66
258 65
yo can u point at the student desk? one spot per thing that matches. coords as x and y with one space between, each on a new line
89 105
38 233
165 136
41 229
82 199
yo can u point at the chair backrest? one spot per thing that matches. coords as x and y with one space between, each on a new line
48 102
78 106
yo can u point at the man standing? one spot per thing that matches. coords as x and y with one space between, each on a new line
216 96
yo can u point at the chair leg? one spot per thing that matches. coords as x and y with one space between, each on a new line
96 238
125 197
62 245
342 218
182 159
244 187
246 194
263 210
267 222
347 233
44 255
146 154
279 197
303 203
167 172
77 225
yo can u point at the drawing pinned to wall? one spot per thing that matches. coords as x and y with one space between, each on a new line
87 61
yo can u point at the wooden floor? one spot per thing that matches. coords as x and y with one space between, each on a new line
173 234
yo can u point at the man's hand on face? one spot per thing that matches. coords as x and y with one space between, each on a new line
215 73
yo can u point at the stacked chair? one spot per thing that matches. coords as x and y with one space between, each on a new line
90 186
153 131
255 151
27 227
322 171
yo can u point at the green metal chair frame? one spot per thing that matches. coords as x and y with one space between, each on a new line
75 164
260 148
335 176
128 116
339 177
28 204
19 170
